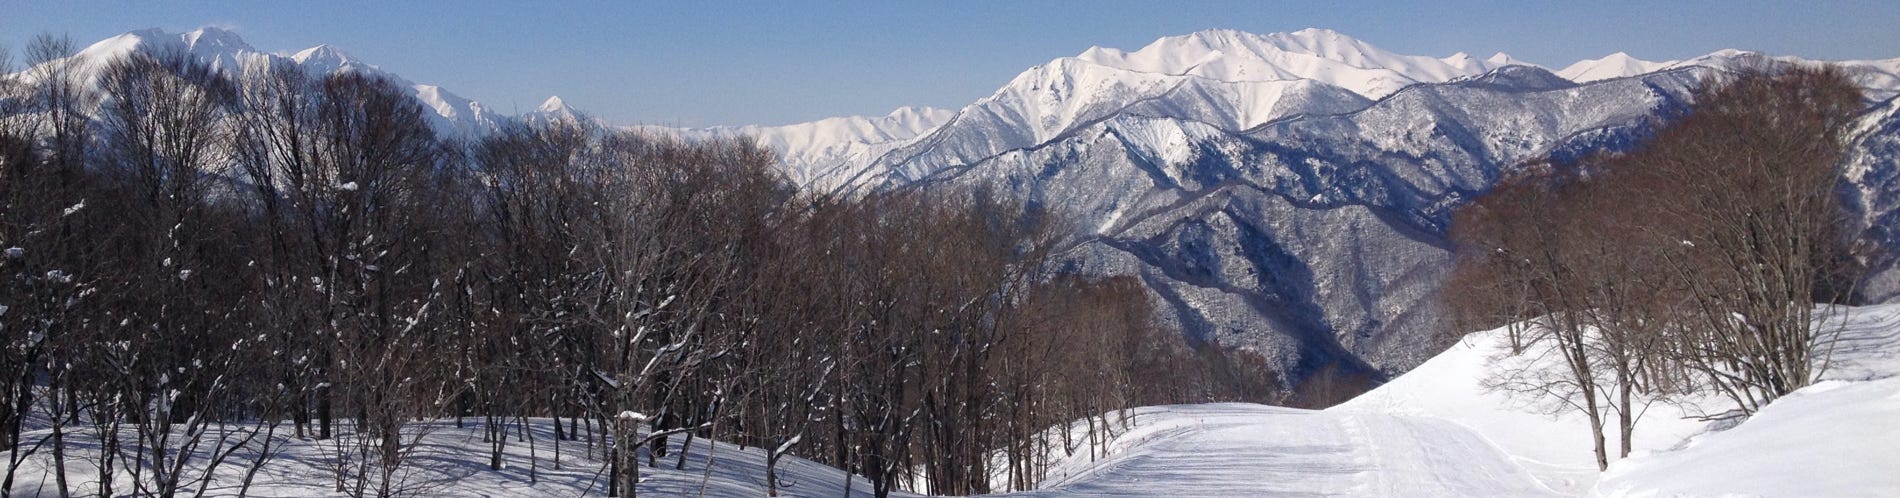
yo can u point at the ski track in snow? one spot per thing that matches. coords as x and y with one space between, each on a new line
1253 450
1435 432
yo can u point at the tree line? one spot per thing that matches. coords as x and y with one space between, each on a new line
1692 264
199 266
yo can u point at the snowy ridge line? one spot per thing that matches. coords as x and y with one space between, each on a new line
827 153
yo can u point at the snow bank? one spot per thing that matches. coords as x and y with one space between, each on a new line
1439 431
1550 440
451 461
1834 438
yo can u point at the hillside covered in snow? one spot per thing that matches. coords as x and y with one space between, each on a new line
1441 430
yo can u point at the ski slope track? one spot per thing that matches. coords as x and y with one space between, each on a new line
1255 450
1438 431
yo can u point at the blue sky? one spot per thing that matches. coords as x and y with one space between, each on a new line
721 63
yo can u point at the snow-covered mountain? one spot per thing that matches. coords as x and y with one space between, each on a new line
225 51
1880 78
819 153
1319 55
825 153
1289 193
1617 65
1229 79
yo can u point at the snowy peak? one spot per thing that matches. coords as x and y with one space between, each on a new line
553 105
554 110
213 39
1315 54
911 121
901 124
322 55
1879 78
821 154
221 48
1617 65
1504 59
1522 78
326 59
226 51
117 46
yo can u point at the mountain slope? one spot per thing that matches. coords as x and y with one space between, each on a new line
1617 65
1271 204
1872 181
1315 240
226 52
821 155
1318 55
1227 78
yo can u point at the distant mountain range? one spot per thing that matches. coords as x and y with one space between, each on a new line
1285 193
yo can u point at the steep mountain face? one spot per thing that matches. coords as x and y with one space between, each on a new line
1228 79
1872 191
1289 194
1880 79
1617 65
1319 55
824 154
1317 241
228 53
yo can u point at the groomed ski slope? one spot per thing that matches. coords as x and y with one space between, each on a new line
1234 449
1438 431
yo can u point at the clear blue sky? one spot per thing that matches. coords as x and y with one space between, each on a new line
714 62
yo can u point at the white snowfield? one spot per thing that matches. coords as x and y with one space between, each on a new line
1236 449
452 462
1437 431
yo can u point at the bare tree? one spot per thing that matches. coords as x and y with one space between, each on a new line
1695 260
43 185
1748 183
168 130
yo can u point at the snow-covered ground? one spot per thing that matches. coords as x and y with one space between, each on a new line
451 461
1254 450
1439 431
1834 438
1435 431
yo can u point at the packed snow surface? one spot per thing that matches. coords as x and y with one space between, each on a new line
1257 450
1439 431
